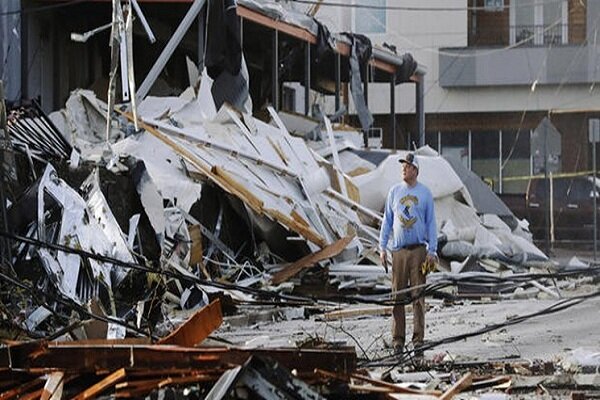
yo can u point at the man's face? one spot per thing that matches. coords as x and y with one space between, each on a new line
409 172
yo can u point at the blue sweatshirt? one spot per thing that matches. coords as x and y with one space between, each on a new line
409 217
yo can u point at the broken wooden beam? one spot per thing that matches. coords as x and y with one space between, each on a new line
308 261
458 387
197 328
54 385
108 382
362 312
22 389
75 357
382 385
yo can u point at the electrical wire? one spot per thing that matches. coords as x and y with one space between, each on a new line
144 268
402 297
412 8
69 304
405 296
398 359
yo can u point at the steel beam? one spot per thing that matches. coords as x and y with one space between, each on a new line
307 78
420 109
275 69
338 78
392 110
169 49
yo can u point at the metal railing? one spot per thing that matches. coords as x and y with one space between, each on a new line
540 35
525 35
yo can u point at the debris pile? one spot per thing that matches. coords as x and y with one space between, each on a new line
120 244
141 238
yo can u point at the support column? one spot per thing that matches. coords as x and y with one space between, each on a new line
419 99
242 33
5 253
307 78
275 70
392 110
169 49
366 84
201 38
500 177
338 78
366 96
470 150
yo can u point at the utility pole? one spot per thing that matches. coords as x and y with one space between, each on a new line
5 256
594 138
547 209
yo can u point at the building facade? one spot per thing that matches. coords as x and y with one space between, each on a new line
506 79
510 85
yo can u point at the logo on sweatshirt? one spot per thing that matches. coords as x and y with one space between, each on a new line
407 205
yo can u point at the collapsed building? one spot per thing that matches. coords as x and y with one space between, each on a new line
131 232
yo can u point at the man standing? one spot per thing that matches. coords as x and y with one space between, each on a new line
409 218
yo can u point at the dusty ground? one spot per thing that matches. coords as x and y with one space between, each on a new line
542 337
547 337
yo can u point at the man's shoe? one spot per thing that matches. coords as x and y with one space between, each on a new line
418 350
398 348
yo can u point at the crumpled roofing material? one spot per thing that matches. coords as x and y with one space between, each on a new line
86 223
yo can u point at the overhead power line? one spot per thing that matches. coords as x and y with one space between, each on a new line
426 8
32 10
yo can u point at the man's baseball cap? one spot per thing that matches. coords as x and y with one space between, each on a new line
410 159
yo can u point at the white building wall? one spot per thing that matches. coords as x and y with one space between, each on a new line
423 33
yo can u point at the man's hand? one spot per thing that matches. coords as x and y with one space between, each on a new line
432 258
430 264
383 258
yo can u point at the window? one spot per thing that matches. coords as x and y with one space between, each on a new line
539 23
456 145
371 19
516 161
288 101
493 5
374 136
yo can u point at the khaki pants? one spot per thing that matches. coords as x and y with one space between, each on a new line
406 266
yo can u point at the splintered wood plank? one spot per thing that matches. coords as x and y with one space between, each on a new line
392 387
136 388
54 384
368 389
458 387
139 388
409 396
182 380
101 386
238 189
360 312
162 373
138 384
33 395
197 327
298 218
196 248
24 388
383 386
308 261
303 230
292 30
